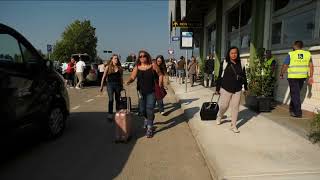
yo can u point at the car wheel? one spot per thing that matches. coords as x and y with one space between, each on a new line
56 122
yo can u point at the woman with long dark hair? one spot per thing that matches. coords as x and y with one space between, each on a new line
113 75
162 66
144 72
232 76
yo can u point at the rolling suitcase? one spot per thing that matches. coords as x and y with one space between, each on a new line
123 120
125 101
209 110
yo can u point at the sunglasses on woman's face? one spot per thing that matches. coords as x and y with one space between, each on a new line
142 56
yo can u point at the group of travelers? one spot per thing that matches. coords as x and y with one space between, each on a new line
232 80
149 74
74 73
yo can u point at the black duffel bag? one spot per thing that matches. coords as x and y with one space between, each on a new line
209 110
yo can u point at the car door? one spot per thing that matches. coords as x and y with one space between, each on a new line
19 80
14 82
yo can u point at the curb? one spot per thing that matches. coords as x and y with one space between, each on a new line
212 171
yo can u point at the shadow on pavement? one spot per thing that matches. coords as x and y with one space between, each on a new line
178 119
245 116
85 151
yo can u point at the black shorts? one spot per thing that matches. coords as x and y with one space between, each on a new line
70 76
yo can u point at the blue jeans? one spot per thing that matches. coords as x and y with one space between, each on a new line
114 90
160 105
147 108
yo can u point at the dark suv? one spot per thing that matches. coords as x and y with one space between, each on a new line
31 91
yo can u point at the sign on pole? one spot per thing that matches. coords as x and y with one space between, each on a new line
190 24
175 38
49 48
186 40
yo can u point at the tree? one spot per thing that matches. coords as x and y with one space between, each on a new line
129 59
78 37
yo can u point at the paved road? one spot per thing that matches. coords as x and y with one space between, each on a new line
86 150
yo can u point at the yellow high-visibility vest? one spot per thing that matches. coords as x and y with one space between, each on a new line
299 64
269 61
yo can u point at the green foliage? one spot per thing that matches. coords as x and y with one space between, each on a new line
129 59
260 81
314 135
78 37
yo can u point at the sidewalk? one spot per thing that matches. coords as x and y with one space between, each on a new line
264 149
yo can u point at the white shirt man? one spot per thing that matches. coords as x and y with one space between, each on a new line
79 72
101 68
80 66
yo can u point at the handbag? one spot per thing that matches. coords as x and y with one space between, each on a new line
160 92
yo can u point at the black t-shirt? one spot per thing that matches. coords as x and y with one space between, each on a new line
209 66
229 81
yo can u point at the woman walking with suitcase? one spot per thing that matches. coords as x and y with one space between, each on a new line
113 75
232 76
144 72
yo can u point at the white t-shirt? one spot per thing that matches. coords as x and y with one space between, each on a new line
101 68
80 66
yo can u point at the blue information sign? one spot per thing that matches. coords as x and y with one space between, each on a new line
49 48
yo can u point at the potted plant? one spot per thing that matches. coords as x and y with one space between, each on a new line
260 85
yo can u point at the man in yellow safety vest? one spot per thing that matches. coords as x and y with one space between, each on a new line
270 62
300 67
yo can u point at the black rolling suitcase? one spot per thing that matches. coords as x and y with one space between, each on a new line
209 110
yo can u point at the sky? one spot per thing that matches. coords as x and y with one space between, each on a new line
121 26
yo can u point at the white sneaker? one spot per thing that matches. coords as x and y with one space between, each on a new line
234 129
162 113
78 87
218 120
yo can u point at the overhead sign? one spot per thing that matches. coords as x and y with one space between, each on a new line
175 38
186 40
170 51
49 48
184 24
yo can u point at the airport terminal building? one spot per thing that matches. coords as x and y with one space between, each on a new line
253 24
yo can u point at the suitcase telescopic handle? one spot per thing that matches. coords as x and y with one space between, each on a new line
212 100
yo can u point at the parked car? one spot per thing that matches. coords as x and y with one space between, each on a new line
125 65
32 91
131 66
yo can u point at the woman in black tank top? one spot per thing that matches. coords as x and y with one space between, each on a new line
113 76
146 79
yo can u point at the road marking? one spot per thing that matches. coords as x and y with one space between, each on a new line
89 100
76 107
